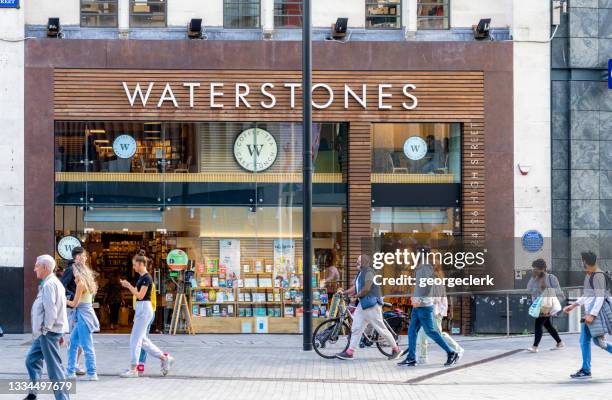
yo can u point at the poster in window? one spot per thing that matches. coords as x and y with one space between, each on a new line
229 256
284 257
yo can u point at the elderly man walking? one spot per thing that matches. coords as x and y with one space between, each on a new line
49 323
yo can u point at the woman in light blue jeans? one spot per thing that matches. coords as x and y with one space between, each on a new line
144 315
84 322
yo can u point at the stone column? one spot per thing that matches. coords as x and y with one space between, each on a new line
409 18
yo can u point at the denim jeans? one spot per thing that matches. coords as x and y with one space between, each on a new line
422 340
422 317
81 337
47 348
143 353
585 347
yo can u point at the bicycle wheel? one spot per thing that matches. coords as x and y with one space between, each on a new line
386 348
331 338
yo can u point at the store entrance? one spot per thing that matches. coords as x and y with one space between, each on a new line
110 255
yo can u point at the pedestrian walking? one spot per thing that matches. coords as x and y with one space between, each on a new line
440 310
84 323
368 311
142 359
597 321
537 286
422 314
113 299
49 323
143 315
78 255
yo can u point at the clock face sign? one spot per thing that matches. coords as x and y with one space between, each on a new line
124 146
65 246
255 150
415 148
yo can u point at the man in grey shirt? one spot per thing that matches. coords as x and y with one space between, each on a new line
422 314
49 323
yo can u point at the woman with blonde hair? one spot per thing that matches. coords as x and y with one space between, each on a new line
144 314
84 321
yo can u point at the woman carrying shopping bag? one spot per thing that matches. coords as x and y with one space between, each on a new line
144 315
545 294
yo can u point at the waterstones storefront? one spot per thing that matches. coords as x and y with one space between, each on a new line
198 146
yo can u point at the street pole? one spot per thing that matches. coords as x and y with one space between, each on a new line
307 179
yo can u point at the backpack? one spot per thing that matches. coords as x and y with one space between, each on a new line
607 277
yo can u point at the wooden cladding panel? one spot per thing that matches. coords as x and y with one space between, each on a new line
98 94
359 190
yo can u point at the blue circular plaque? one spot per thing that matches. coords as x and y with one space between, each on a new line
533 241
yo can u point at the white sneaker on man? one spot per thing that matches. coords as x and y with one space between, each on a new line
130 373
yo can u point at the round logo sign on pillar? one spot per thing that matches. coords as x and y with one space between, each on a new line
255 150
177 260
415 148
65 246
124 146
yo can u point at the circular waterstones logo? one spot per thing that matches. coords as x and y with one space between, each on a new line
533 241
255 150
65 246
415 148
124 146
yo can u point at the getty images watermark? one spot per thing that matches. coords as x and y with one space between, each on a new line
407 260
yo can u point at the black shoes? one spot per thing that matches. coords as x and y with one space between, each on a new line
581 375
407 362
30 396
451 359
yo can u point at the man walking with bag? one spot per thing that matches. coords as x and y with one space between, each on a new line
369 310
597 305
546 285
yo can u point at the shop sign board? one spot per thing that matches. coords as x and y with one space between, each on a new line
9 3
177 259
65 246
255 149
124 146
239 93
415 148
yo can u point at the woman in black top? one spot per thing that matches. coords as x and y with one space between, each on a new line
143 316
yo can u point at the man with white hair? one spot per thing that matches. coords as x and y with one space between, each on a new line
49 323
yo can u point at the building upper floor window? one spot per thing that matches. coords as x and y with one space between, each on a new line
288 13
147 13
433 14
241 13
383 14
99 13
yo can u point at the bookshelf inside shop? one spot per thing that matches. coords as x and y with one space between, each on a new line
224 302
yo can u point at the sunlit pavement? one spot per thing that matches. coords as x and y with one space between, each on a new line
275 367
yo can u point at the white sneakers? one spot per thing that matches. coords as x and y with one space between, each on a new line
166 364
559 346
130 373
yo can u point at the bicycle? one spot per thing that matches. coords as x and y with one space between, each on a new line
334 335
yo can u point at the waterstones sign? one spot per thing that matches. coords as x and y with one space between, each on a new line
219 95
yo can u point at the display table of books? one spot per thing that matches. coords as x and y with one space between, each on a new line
257 302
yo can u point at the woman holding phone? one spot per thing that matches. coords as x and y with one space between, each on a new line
143 316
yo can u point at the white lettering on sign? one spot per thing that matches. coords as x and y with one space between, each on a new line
65 246
326 95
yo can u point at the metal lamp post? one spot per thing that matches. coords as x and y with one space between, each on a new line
308 170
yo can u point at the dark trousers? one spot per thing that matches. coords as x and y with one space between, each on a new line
544 322
114 313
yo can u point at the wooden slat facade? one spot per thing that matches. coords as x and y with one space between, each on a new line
98 94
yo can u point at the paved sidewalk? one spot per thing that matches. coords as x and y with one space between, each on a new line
274 367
